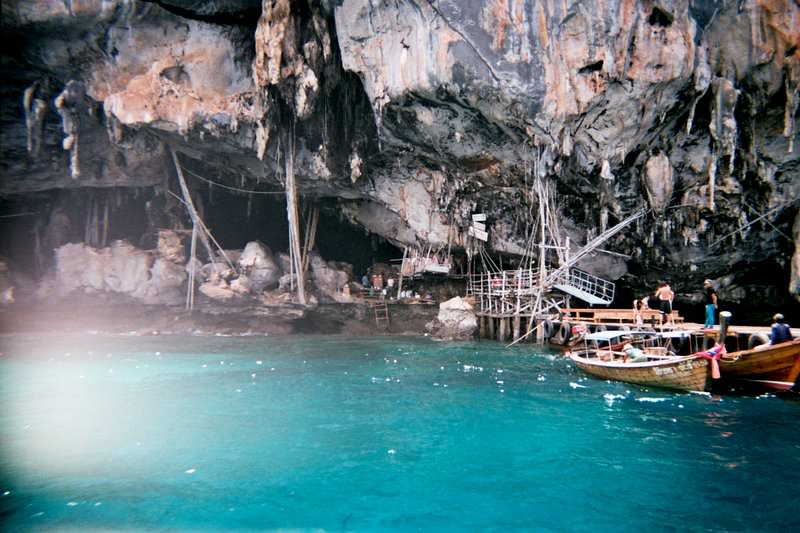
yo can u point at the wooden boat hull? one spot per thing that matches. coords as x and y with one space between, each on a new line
775 367
688 373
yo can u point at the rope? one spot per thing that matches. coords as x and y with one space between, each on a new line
228 187
768 213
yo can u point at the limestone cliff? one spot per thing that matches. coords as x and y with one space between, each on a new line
413 114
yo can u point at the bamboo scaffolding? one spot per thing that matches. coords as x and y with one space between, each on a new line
204 234
311 237
292 217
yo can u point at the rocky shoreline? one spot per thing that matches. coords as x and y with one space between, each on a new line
127 316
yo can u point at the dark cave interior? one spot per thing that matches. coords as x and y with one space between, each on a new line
31 224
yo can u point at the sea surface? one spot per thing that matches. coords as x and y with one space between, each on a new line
102 433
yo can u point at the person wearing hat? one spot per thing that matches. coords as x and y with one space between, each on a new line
633 355
711 303
780 330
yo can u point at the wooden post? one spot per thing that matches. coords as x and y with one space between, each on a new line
503 333
516 326
491 326
482 327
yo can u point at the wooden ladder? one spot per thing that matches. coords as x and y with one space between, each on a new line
381 314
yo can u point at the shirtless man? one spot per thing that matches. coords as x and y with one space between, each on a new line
665 295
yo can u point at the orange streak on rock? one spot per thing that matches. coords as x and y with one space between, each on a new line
500 15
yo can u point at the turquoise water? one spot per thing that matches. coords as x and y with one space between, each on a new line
373 434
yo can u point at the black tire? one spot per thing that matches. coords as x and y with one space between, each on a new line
547 329
757 339
563 334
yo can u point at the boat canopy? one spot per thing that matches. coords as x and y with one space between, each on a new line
610 335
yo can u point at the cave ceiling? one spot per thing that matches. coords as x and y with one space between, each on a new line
414 114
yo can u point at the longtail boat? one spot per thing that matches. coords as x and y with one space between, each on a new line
605 354
772 366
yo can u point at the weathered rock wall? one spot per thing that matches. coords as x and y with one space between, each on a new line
414 114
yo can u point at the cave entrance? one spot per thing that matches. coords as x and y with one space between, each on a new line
31 227
235 220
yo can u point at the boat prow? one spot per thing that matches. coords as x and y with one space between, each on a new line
774 366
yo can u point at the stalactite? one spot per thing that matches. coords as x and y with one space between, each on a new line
690 120
355 166
603 219
605 170
262 138
723 127
712 178
35 109
566 143
792 86
69 105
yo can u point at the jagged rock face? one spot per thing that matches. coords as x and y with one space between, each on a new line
120 268
415 114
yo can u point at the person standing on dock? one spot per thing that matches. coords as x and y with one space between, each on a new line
638 307
665 295
780 331
711 303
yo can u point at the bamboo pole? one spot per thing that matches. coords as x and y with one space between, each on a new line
190 284
402 264
294 230
311 237
204 234
187 200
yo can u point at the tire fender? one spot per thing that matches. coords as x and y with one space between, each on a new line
564 333
757 339
547 329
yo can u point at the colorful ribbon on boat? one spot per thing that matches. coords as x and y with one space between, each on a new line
714 353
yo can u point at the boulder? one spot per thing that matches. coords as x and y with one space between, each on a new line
260 266
126 269
327 278
121 268
166 283
170 246
217 292
78 266
456 320
6 285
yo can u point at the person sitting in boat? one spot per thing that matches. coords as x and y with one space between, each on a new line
780 331
633 355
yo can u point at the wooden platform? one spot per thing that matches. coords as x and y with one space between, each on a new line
615 316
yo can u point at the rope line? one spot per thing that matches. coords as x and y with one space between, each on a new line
230 188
